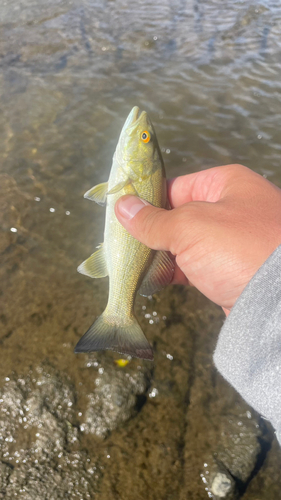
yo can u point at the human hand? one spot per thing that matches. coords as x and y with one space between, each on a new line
224 224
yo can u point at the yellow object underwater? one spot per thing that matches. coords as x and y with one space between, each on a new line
122 362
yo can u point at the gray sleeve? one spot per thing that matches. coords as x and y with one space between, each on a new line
248 352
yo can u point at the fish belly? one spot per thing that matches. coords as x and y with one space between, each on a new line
127 263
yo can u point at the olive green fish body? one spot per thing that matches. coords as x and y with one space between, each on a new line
131 266
127 258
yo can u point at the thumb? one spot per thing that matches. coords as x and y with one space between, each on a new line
150 225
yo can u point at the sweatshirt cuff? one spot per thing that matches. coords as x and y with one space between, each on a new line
248 351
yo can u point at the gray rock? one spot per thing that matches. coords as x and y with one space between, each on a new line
222 485
39 434
239 446
5 472
219 482
234 456
32 481
115 397
38 431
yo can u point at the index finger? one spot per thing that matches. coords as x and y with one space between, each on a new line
206 185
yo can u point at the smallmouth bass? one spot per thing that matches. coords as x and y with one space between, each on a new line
137 169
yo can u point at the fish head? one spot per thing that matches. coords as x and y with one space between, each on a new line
138 150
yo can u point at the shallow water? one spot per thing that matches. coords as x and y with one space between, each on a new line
209 75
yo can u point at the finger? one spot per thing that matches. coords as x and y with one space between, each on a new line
207 185
193 187
226 311
179 277
155 227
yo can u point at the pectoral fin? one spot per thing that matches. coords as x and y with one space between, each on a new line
95 266
159 274
97 193
119 186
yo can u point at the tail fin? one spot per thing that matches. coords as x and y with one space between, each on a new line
126 339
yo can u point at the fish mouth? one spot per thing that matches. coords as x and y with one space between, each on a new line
135 117
137 114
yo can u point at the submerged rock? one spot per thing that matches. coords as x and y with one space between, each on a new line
236 454
40 448
119 393
221 483
37 440
31 481
239 445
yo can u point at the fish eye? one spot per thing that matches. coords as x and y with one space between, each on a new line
145 136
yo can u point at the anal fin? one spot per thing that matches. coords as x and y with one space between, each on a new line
159 274
95 266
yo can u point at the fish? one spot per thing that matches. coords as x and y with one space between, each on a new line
137 169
